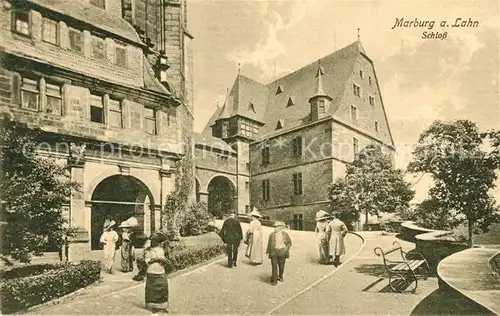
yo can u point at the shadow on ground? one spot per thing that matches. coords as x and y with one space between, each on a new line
442 302
376 270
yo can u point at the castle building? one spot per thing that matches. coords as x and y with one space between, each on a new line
110 84
278 146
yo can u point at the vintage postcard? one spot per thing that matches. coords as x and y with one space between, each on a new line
250 157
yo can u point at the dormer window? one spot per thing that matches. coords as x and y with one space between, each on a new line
354 114
290 102
98 3
21 23
361 74
280 124
370 80
371 100
251 107
279 89
356 90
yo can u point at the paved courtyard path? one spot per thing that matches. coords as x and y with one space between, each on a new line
354 287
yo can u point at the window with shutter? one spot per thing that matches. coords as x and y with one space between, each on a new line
115 113
30 94
96 109
150 121
54 99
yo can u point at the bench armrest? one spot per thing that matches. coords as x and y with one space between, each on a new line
417 254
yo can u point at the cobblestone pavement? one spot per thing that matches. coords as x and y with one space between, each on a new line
216 289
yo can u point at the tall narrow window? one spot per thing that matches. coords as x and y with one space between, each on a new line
247 167
225 128
361 74
321 107
370 80
121 55
265 156
297 146
150 121
30 94
50 31
371 100
266 190
354 114
98 48
376 126
115 113
356 90
355 146
297 183
21 23
96 109
54 99
75 40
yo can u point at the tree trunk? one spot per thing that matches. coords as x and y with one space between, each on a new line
470 228
366 220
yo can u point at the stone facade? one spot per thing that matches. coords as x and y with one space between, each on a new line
84 75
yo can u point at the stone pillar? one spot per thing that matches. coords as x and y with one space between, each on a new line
87 43
79 247
156 209
203 196
167 183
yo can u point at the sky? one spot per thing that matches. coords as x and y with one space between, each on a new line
421 80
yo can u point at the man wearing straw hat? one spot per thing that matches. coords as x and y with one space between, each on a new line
231 235
278 250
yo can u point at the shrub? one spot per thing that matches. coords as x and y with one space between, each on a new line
193 256
22 293
29 270
195 220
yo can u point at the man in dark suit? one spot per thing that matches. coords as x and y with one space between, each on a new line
278 249
231 235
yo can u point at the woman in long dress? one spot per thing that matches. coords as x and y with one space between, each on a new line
109 238
127 250
336 230
322 236
254 239
156 277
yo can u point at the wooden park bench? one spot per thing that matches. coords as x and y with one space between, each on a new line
404 273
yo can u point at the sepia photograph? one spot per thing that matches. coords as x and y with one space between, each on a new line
257 157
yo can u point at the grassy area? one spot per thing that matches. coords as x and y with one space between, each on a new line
490 238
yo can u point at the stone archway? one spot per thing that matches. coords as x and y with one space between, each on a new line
117 198
221 195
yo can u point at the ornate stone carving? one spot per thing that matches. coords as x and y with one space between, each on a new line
124 170
76 154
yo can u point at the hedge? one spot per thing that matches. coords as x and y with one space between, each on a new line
29 270
21 293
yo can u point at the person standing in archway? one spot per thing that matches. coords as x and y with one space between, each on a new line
254 239
127 245
109 238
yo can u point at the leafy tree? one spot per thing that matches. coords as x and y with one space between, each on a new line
195 220
371 185
220 198
33 191
463 173
177 202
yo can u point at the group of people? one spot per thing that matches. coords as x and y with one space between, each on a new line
111 241
278 244
151 265
330 234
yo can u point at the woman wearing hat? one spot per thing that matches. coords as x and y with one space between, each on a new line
127 248
109 238
156 277
254 239
336 230
322 237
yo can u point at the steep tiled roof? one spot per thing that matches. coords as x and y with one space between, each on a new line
298 86
90 14
302 84
150 80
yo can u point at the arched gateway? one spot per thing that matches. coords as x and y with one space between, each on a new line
117 198
221 195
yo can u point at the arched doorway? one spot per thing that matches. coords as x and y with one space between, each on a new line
221 195
118 198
